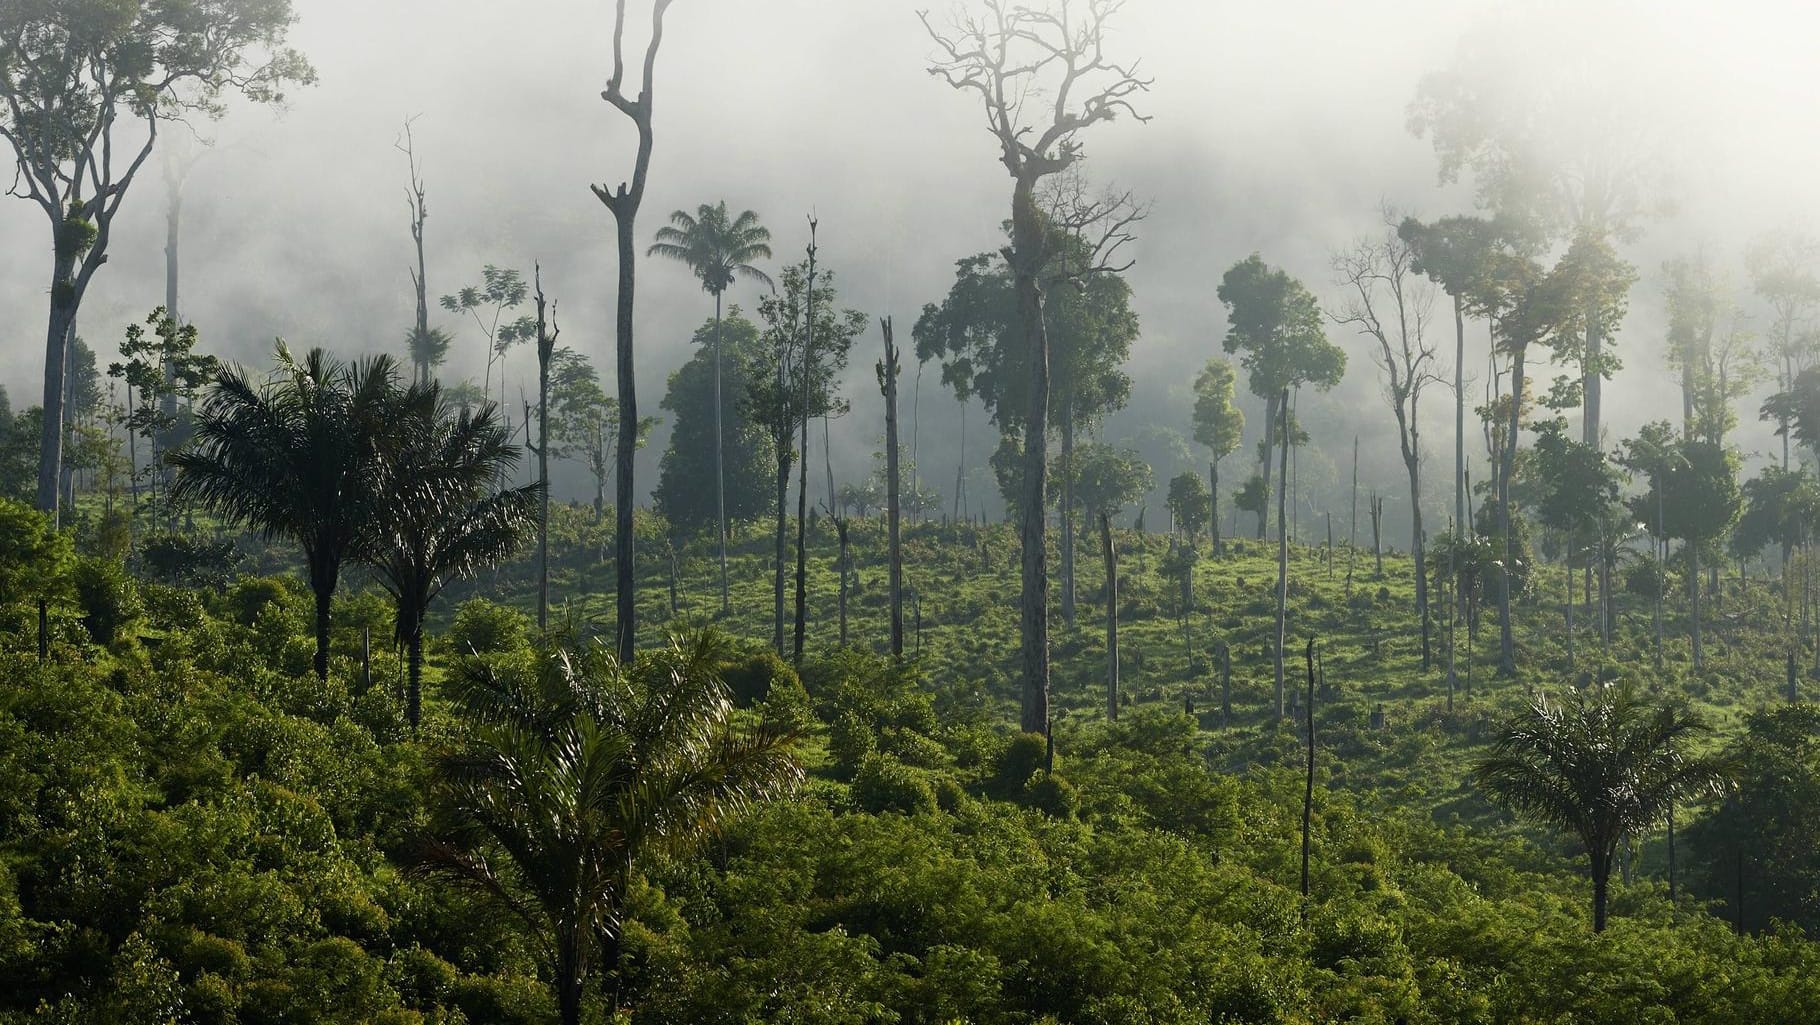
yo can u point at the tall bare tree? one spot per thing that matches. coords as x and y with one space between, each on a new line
888 369
427 346
547 333
1389 302
1005 55
623 203
85 87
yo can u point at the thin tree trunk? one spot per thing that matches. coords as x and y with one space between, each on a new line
1352 541
1112 618
840 526
960 470
1418 542
1593 378
888 371
1507 647
546 351
720 473
777 560
1570 606
1067 417
1308 789
1661 542
1693 595
1282 552
1225 684
1377 534
1213 505
802 486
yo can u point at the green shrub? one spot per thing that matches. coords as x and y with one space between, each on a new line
1020 758
751 677
184 559
250 595
484 627
1052 794
850 742
421 978
109 599
497 1001
885 784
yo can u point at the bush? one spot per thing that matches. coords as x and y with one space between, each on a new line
1644 579
1021 757
751 677
483 627
885 784
109 599
250 595
851 742
1052 794
192 561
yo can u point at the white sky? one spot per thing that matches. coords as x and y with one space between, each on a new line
1278 127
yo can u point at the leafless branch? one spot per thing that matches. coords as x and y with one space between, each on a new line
1103 223
1018 52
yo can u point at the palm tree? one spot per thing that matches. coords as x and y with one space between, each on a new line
436 516
1602 765
293 458
579 775
717 250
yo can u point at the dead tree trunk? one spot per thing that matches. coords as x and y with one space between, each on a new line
547 332
623 203
1377 532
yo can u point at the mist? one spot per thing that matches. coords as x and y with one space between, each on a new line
1279 129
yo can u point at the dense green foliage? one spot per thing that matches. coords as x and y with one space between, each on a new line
196 829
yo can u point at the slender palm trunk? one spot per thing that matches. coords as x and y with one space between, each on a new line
414 676
1601 883
323 584
720 475
568 980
